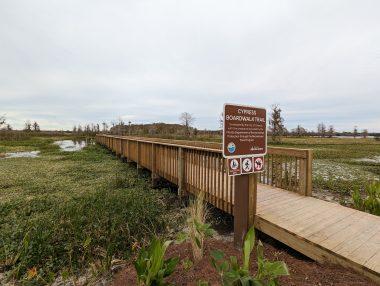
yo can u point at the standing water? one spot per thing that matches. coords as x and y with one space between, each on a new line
71 145
26 154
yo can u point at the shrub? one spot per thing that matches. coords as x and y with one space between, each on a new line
371 203
151 267
198 229
233 274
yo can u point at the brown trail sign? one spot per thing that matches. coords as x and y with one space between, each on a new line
244 144
244 131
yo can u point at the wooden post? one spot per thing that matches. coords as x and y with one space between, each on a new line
245 191
138 156
153 167
128 152
309 169
181 172
303 176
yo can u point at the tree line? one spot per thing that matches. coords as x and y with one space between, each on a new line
277 128
185 128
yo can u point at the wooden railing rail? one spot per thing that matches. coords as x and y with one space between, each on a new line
199 166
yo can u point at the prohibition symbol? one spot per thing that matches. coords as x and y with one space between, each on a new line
259 164
247 165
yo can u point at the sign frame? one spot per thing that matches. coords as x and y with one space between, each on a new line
224 130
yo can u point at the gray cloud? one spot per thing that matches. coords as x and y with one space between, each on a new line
70 62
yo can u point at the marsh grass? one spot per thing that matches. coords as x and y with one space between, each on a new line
336 167
63 211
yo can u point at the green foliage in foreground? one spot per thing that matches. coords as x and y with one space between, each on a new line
64 210
371 202
150 265
233 274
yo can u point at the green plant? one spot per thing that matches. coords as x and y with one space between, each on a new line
233 274
371 203
202 283
187 264
197 226
151 267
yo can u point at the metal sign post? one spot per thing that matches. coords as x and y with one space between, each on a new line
244 146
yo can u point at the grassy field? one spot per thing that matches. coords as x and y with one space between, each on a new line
341 165
63 212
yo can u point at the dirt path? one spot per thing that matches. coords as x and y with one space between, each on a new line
302 270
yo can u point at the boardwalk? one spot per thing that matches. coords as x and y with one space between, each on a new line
322 230
286 211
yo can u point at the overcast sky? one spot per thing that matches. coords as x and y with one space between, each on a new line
74 61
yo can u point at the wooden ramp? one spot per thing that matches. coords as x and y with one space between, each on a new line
321 230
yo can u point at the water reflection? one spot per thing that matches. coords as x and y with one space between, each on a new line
71 145
27 154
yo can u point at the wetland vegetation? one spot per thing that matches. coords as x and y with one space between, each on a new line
62 212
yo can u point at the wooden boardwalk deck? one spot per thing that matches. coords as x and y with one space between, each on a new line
321 230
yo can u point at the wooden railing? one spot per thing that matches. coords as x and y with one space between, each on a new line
199 166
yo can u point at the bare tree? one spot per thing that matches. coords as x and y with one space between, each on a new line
276 124
8 127
2 120
187 120
299 131
36 126
74 129
355 133
365 133
221 121
28 126
321 129
331 131
105 127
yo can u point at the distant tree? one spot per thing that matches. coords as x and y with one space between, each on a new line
28 126
120 126
75 129
35 126
276 124
321 129
299 131
221 121
355 133
365 133
79 129
8 127
187 120
2 120
104 126
331 131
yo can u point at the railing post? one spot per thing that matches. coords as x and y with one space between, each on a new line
305 178
128 152
309 170
181 172
153 167
138 156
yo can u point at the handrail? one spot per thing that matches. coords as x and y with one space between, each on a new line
199 166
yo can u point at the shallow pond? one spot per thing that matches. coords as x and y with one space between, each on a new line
71 145
375 159
26 154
